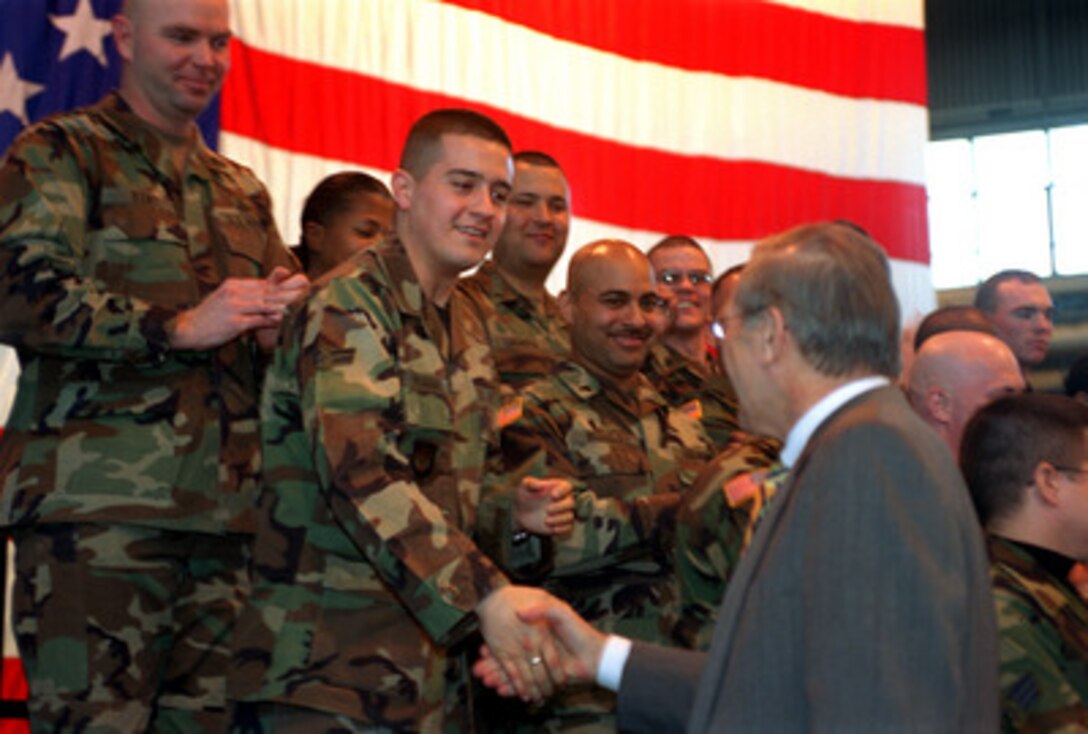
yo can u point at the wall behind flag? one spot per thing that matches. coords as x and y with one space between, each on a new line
727 120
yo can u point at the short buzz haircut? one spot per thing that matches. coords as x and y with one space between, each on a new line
424 138
674 241
1005 441
536 158
986 296
833 287
952 318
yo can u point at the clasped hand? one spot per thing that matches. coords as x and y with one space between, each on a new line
546 646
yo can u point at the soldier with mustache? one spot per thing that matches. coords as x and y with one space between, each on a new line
598 422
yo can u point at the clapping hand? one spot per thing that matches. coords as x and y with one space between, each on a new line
545 506
237 306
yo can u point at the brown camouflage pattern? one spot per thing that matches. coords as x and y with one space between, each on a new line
374 426
714 525
629 458
703 392
101 242
526 340
1043 643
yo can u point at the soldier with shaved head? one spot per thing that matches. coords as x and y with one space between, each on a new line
598 422
954 374
141 275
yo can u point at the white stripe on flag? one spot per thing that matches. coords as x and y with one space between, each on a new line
593 92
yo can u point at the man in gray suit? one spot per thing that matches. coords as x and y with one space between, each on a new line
862 604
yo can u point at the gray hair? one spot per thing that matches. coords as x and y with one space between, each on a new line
832 284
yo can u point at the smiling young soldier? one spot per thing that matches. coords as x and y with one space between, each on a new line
599 423
375 418
526 332
683 366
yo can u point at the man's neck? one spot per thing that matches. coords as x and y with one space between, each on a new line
1026 527
436 284
178 129
810 401
692 345
177 136
530 285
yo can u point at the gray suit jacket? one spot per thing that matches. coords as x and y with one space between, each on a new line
862 605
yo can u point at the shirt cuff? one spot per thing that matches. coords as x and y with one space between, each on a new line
613 659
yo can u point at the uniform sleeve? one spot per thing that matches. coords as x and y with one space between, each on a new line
50 301
1036 691
715 518
607 529
370 461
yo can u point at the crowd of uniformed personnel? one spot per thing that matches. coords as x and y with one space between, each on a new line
246 497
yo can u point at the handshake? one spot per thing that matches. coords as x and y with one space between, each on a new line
534 642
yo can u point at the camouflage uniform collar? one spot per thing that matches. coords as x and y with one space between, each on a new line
153 142
502 291
393 259
665 360
1054 563
586 383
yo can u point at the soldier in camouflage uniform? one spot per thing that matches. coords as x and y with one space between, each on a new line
375 418
598 422
683 365
1026 463
526 332
140 271
714 525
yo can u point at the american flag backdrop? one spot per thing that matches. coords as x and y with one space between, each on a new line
723 119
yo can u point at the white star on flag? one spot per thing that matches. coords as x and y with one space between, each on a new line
83 31
14 91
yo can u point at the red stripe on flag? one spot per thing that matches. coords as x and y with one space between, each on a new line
757 39
14 681
330 113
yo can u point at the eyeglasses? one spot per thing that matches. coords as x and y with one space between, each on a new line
695 277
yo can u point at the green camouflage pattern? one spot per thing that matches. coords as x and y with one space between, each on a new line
629 457
526 340
375 420
703 392
94 664
102 241
1043 644
714 525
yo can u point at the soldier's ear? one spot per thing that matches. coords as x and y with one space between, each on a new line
122 35
939 405
565 306
1045 482
403 188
